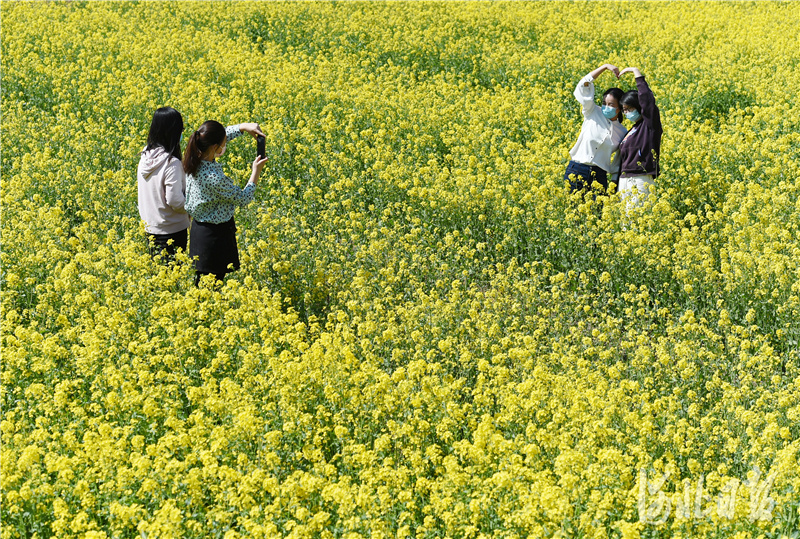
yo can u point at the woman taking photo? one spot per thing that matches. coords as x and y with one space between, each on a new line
641 148
600 135
162 185
211 198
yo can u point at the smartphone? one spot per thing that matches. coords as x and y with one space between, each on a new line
260 144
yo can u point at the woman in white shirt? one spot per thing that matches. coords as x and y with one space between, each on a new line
599 138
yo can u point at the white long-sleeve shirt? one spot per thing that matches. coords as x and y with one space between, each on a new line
599 137
162 188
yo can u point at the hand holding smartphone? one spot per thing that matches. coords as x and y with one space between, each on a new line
261 146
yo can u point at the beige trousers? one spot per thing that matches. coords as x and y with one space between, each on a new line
634 197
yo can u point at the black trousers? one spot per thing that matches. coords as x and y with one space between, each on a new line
585 176
160 245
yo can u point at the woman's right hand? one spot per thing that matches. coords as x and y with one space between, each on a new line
609 67
614 69
258 166
251 127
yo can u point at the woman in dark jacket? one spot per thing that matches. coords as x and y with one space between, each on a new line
640 150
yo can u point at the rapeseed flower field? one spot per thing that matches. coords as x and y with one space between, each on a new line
429 336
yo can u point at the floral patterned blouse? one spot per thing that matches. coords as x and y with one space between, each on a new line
211 196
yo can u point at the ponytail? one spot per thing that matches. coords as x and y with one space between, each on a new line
191 156
209 134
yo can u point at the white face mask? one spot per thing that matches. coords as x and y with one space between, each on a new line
222 152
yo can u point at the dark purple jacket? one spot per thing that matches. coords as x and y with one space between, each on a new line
641 148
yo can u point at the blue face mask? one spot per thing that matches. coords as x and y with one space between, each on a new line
609 112
633 115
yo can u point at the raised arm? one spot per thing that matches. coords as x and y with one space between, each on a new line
605 67
634 70
224 190
646 98
252 128
584 92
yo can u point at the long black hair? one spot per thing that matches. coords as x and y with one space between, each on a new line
207 135
165 131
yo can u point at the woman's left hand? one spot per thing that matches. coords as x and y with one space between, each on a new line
253 128
634 70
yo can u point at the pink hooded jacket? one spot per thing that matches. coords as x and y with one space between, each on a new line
162 192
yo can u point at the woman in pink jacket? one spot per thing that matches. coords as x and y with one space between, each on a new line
162 185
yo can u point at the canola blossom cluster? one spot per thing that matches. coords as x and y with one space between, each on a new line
429 335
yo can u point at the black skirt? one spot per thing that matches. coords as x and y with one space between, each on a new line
213 247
